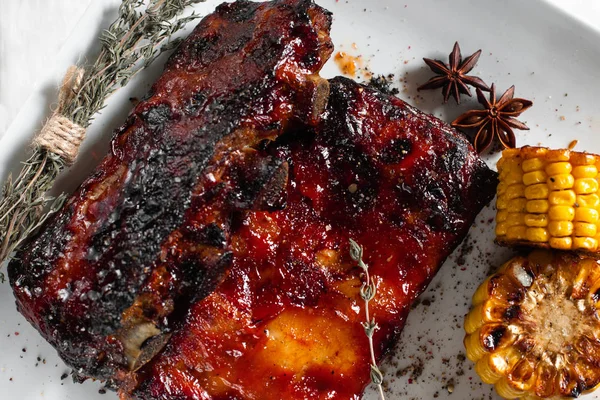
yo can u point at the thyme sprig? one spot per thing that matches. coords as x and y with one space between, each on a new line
130 44
368 290
141 32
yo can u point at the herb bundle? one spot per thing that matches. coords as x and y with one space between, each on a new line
142 31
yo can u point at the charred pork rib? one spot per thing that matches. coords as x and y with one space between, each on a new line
286 322
149 229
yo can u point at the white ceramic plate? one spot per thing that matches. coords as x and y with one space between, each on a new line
552 59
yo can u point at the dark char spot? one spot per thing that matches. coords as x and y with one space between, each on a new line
396 151
492 340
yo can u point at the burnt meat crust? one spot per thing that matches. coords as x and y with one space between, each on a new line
286 321
149 228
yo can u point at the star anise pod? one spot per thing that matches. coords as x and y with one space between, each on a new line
497 119
453 78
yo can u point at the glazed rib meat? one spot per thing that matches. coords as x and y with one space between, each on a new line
286 321
149 230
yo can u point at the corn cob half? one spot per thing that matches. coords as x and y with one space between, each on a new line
534 329
548 198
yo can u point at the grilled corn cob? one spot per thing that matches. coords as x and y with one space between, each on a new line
534 329
548 198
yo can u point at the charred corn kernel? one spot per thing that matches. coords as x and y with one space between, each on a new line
589 200
501 188
592 296
513 178
585 229
505 389
498 363
531 178
513 152
558 155
578 158
543 334
561 213
559 168
485 371
475 349
501 229
555 203
585 171
586 243
537 235
501 215
560 228
562 198
501 203
515 191
537 206
517 205
539 191
586 186
585 214
561 182
588 272
515 219
536 220
481 295
561 243
516 232
533 164
475 319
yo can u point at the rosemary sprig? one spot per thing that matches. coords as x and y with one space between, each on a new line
139 35
367 292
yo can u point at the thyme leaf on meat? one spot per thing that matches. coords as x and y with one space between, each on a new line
368 290
142 31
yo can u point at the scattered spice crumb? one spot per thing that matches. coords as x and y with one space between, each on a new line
383 83
465 249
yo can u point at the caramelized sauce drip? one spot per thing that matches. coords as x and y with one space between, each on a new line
347 63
